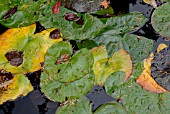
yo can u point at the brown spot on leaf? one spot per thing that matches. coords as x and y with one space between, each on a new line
14 57
10 11
63 58
55 34
71 17
5 76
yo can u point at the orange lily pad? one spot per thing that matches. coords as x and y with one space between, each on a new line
146 80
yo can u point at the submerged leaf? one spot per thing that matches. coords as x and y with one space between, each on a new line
103 66
18 86
66 77
145 79
22 51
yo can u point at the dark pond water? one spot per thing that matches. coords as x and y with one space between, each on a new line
36 103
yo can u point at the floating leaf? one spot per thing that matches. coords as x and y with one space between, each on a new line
66 79
19 85
22 51
79 106
70 29
27 13
145 79
160 19
160 68
111 108
134 99
103 66
116 37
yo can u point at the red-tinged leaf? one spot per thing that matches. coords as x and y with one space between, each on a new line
56 8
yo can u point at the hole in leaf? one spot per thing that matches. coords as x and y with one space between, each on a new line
15 58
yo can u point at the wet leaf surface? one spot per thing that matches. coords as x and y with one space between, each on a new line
70 79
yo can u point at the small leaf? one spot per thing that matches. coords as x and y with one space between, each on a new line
20 85
66 76
103 66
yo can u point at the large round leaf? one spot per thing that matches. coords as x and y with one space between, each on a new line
161 19
71 78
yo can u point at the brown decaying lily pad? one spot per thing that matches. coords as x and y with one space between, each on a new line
146 80
5 78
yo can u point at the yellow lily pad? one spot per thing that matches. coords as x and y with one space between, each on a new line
22 51
18 86
104 66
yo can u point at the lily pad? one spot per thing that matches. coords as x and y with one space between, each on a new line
69 79
111 108
18 86
161 20
22 51
116 37
79 106
27 13
85 27
103 66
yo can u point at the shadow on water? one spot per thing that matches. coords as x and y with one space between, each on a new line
36 103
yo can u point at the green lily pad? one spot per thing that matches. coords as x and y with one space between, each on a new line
138 47
22 51
27 13
79 106
135 99
111 108
66 78
161 20
88 28
103 66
